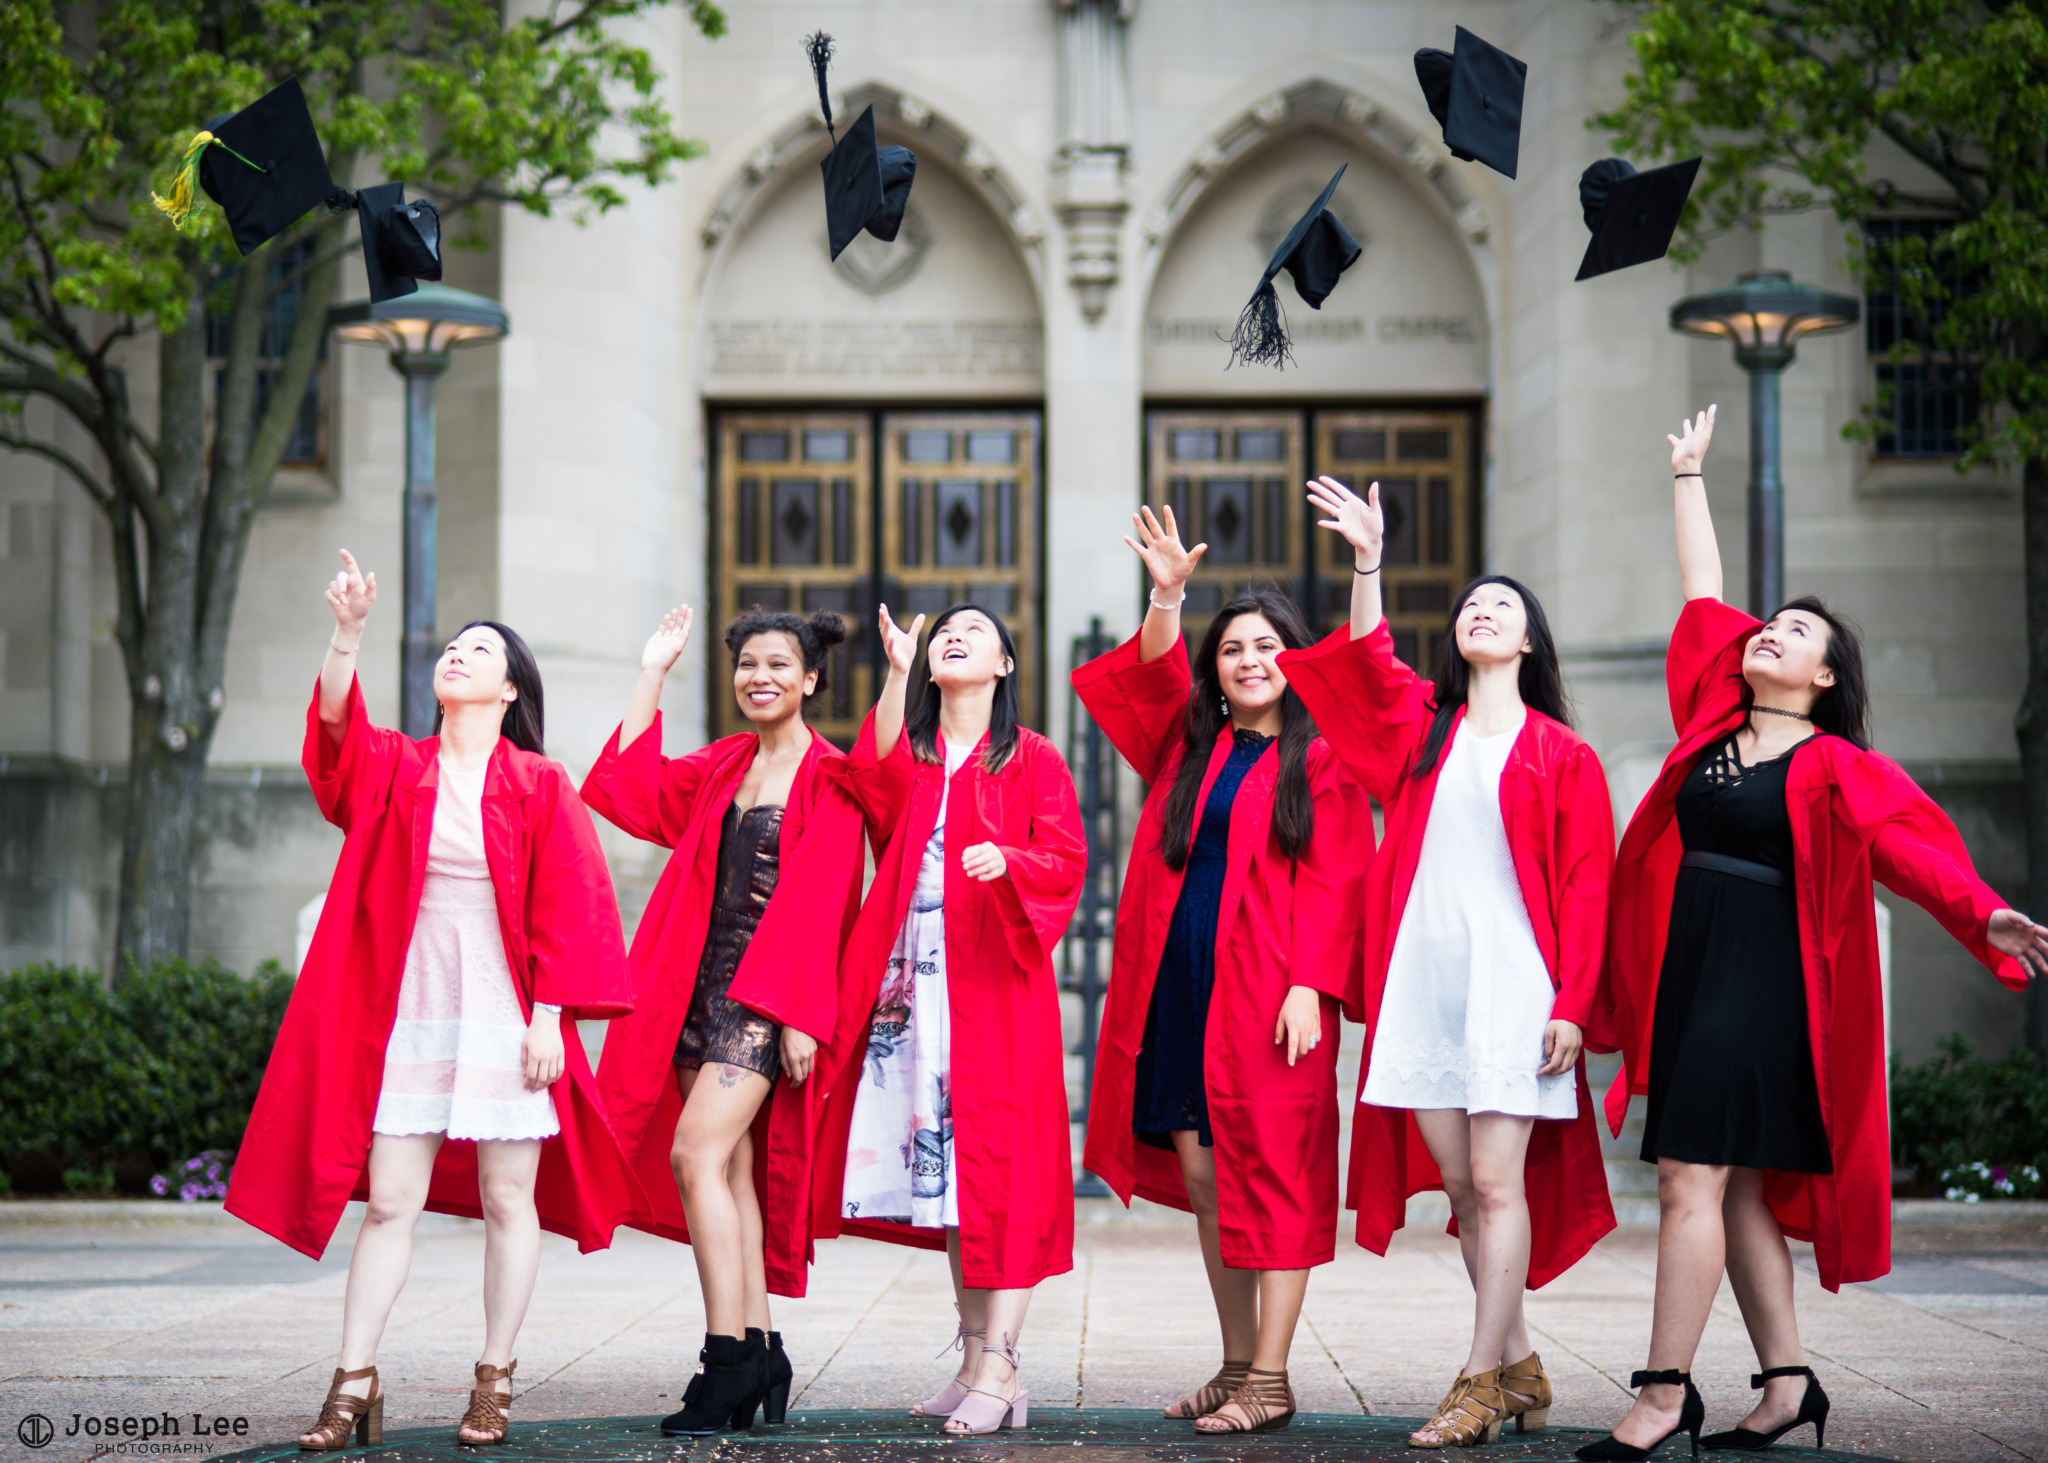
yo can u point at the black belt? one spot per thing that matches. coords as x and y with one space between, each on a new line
1742 868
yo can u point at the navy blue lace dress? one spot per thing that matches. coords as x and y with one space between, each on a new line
1170 1094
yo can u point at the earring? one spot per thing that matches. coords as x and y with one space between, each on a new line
1223 702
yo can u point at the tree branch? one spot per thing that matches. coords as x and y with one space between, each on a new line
97 490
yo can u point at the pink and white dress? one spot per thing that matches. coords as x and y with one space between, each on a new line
454 1064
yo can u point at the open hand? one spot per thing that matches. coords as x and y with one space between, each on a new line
898 643
799 1055
1166 558
540 1057
1300 1025
352 595
1689 447
984 861
2011 933
666 644
1561 1042
1361 521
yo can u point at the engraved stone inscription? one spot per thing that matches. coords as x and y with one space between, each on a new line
894 350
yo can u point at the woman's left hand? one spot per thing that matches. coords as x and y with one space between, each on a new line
541 1057
1561 1042
984 861
799 1055
2011 933
1301 1022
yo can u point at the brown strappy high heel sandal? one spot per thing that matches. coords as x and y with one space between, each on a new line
1526 1391
1265 1398
342 1414
1472 1414
487 1405
1213 1393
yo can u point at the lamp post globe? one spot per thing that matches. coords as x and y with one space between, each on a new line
1765 314
419 330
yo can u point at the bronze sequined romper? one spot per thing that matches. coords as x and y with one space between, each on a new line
719 1029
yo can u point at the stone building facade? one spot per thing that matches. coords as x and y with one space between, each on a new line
695 404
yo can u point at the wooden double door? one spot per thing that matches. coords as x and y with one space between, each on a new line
1237 480
841 510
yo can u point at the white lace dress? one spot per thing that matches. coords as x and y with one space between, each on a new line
1467 998
899 1151
454 1064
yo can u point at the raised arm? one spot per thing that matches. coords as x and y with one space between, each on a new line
351 596
1364 527
1170 564
901 646
664 647
1699 556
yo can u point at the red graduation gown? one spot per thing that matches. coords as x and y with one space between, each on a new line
1283 922
1560 830
307 1148
789 972
1012 1143
1856 816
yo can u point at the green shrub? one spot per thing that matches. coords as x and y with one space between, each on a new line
99 1087
1962 1109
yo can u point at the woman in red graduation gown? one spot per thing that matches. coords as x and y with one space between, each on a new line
422 1063
979 873
735 966
1216 1070
1485 921
1743 977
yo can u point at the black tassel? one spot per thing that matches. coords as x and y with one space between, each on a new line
1261 335
819 45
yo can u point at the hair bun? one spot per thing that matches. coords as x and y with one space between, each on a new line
829 628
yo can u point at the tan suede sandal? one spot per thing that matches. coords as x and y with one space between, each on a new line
1265 1399
1213 1393
1473 1415
342 1415
487 1405
1526 1391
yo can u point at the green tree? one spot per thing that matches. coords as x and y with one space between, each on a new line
1935 108
97 103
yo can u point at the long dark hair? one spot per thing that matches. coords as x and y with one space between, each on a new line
525 717
1541 680
1294 810
922 723
814 637
1844 707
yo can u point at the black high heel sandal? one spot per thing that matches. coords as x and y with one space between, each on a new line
1813 1408
1692 1416
724 1395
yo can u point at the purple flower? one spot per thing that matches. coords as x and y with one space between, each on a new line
160 1186
189 1193
1998 1175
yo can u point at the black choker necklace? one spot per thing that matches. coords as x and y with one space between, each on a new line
1780 711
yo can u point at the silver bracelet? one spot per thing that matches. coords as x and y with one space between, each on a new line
547 1006
1152 599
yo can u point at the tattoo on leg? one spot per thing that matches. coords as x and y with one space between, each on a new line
729 1075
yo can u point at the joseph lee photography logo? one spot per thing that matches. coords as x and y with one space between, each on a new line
134 1433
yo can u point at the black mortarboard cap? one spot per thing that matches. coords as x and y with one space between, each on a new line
1632 215
867 186
265 167
1475 94
401 241
1315 252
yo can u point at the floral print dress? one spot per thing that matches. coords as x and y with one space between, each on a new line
899 1157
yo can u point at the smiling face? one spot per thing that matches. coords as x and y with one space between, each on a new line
1785 663
967 653
769 680
472 670
1493 626
1246 665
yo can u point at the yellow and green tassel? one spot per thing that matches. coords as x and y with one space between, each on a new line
185 182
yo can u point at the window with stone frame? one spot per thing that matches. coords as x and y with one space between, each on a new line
1923 398
305 446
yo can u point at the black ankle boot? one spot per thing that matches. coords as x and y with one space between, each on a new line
775 1406
725 1393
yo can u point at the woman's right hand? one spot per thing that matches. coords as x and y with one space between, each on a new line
1689 448
1361 521
351 596
1167 560
899 644
666 644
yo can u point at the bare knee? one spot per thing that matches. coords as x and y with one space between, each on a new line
393 1203
1687 1189
506 1200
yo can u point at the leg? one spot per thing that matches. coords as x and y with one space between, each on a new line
1691 1249
746 1202
1446 1132
994 1372
505 1174
972 1306
1499 1146
718 1109
1760 1269
1280 1294
1236 1292
400 1168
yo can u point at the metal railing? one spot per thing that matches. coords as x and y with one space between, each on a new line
1090 935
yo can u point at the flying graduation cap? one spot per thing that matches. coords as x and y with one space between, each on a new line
867 186
263 165
1632 215
1475 94
1315 252
401 241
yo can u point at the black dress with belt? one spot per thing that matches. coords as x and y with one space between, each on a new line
1731 1068
718 1028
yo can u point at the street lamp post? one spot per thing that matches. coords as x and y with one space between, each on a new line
1765 313
419 330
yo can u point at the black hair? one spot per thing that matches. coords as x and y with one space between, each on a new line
815 638
1541 680
1294 809
525 717
1844 707
922 722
